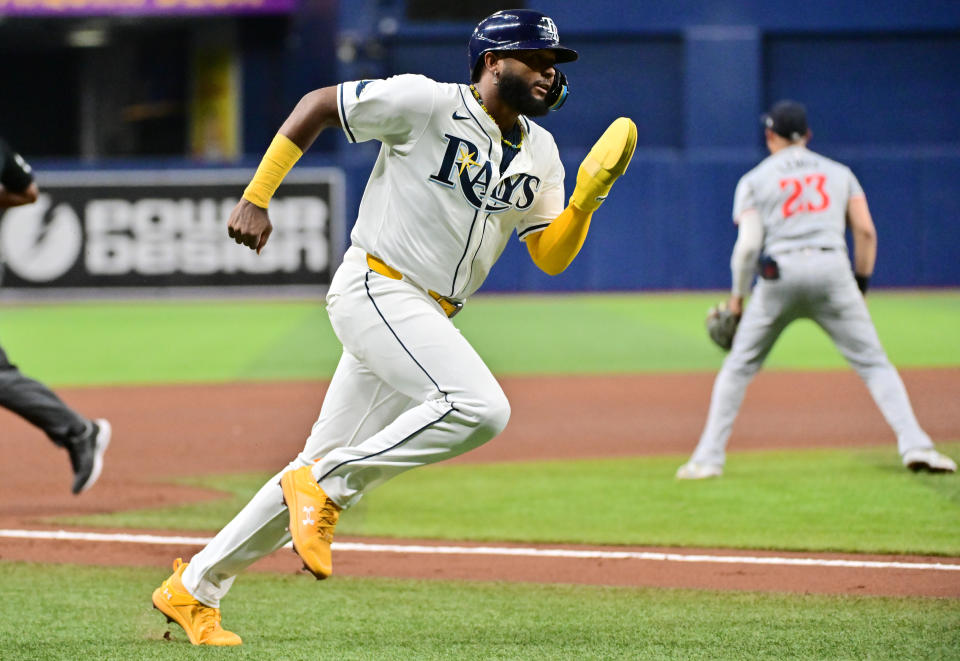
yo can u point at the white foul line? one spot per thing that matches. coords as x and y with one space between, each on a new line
501 550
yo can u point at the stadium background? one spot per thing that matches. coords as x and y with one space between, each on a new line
159 84
144 122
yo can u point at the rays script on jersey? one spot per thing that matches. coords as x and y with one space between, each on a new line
461 167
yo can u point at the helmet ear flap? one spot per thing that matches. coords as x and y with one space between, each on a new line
559 91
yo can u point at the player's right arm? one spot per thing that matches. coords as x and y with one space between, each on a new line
746 251
864 240
743 260
395 111
249 223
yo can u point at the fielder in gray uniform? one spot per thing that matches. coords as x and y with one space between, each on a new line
792 211
85 440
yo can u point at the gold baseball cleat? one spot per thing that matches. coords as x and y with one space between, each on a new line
201 622
313 518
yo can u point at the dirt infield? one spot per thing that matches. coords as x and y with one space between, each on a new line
165 431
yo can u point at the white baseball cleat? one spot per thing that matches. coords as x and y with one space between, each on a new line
928 459
694 471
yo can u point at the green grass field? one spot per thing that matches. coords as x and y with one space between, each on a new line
175 342
844 500
855 500
69 613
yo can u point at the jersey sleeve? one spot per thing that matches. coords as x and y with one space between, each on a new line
16 175
856 190
743 198
548 204
393 110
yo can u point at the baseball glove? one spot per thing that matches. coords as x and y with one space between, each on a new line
722 325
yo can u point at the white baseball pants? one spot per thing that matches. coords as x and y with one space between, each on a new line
409 390
819 285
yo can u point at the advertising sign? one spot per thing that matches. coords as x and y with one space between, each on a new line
169 228
143 7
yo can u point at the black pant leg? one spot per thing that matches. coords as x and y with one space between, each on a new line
37 404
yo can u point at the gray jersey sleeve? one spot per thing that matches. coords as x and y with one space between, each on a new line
856 190
743 197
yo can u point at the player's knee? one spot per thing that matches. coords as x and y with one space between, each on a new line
498 414
488 412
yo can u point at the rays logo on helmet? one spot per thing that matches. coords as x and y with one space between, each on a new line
516 29
549 29
460 167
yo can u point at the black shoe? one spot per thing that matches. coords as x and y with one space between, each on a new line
86 455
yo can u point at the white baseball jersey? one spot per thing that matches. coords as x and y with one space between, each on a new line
409 389
447 234
802 198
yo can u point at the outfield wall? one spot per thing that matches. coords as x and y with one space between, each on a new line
667 224
882 84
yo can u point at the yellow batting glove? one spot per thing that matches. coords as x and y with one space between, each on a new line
607 160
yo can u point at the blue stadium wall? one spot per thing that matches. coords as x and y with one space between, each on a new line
881 81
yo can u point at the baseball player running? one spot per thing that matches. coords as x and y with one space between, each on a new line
85 440
461 168
792 211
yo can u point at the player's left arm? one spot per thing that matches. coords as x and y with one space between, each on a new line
864 240
554 249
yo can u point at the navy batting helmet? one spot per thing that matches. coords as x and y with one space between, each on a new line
516 29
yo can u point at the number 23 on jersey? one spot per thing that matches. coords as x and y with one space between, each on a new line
805 194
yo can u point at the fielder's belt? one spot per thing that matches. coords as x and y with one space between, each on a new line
450 306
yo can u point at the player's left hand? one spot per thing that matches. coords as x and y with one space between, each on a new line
722 325
249 225
607 160
735 303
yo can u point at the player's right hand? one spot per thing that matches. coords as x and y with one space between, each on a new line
249 225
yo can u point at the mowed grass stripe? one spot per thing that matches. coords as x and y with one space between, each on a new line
164 342
204 341
73 612
843 500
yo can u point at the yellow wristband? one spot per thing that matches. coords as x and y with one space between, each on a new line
276 163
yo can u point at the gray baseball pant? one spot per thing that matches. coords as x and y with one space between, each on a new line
818 285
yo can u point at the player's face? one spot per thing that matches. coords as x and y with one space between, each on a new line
525 79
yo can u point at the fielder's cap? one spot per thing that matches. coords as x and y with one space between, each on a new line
787 119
